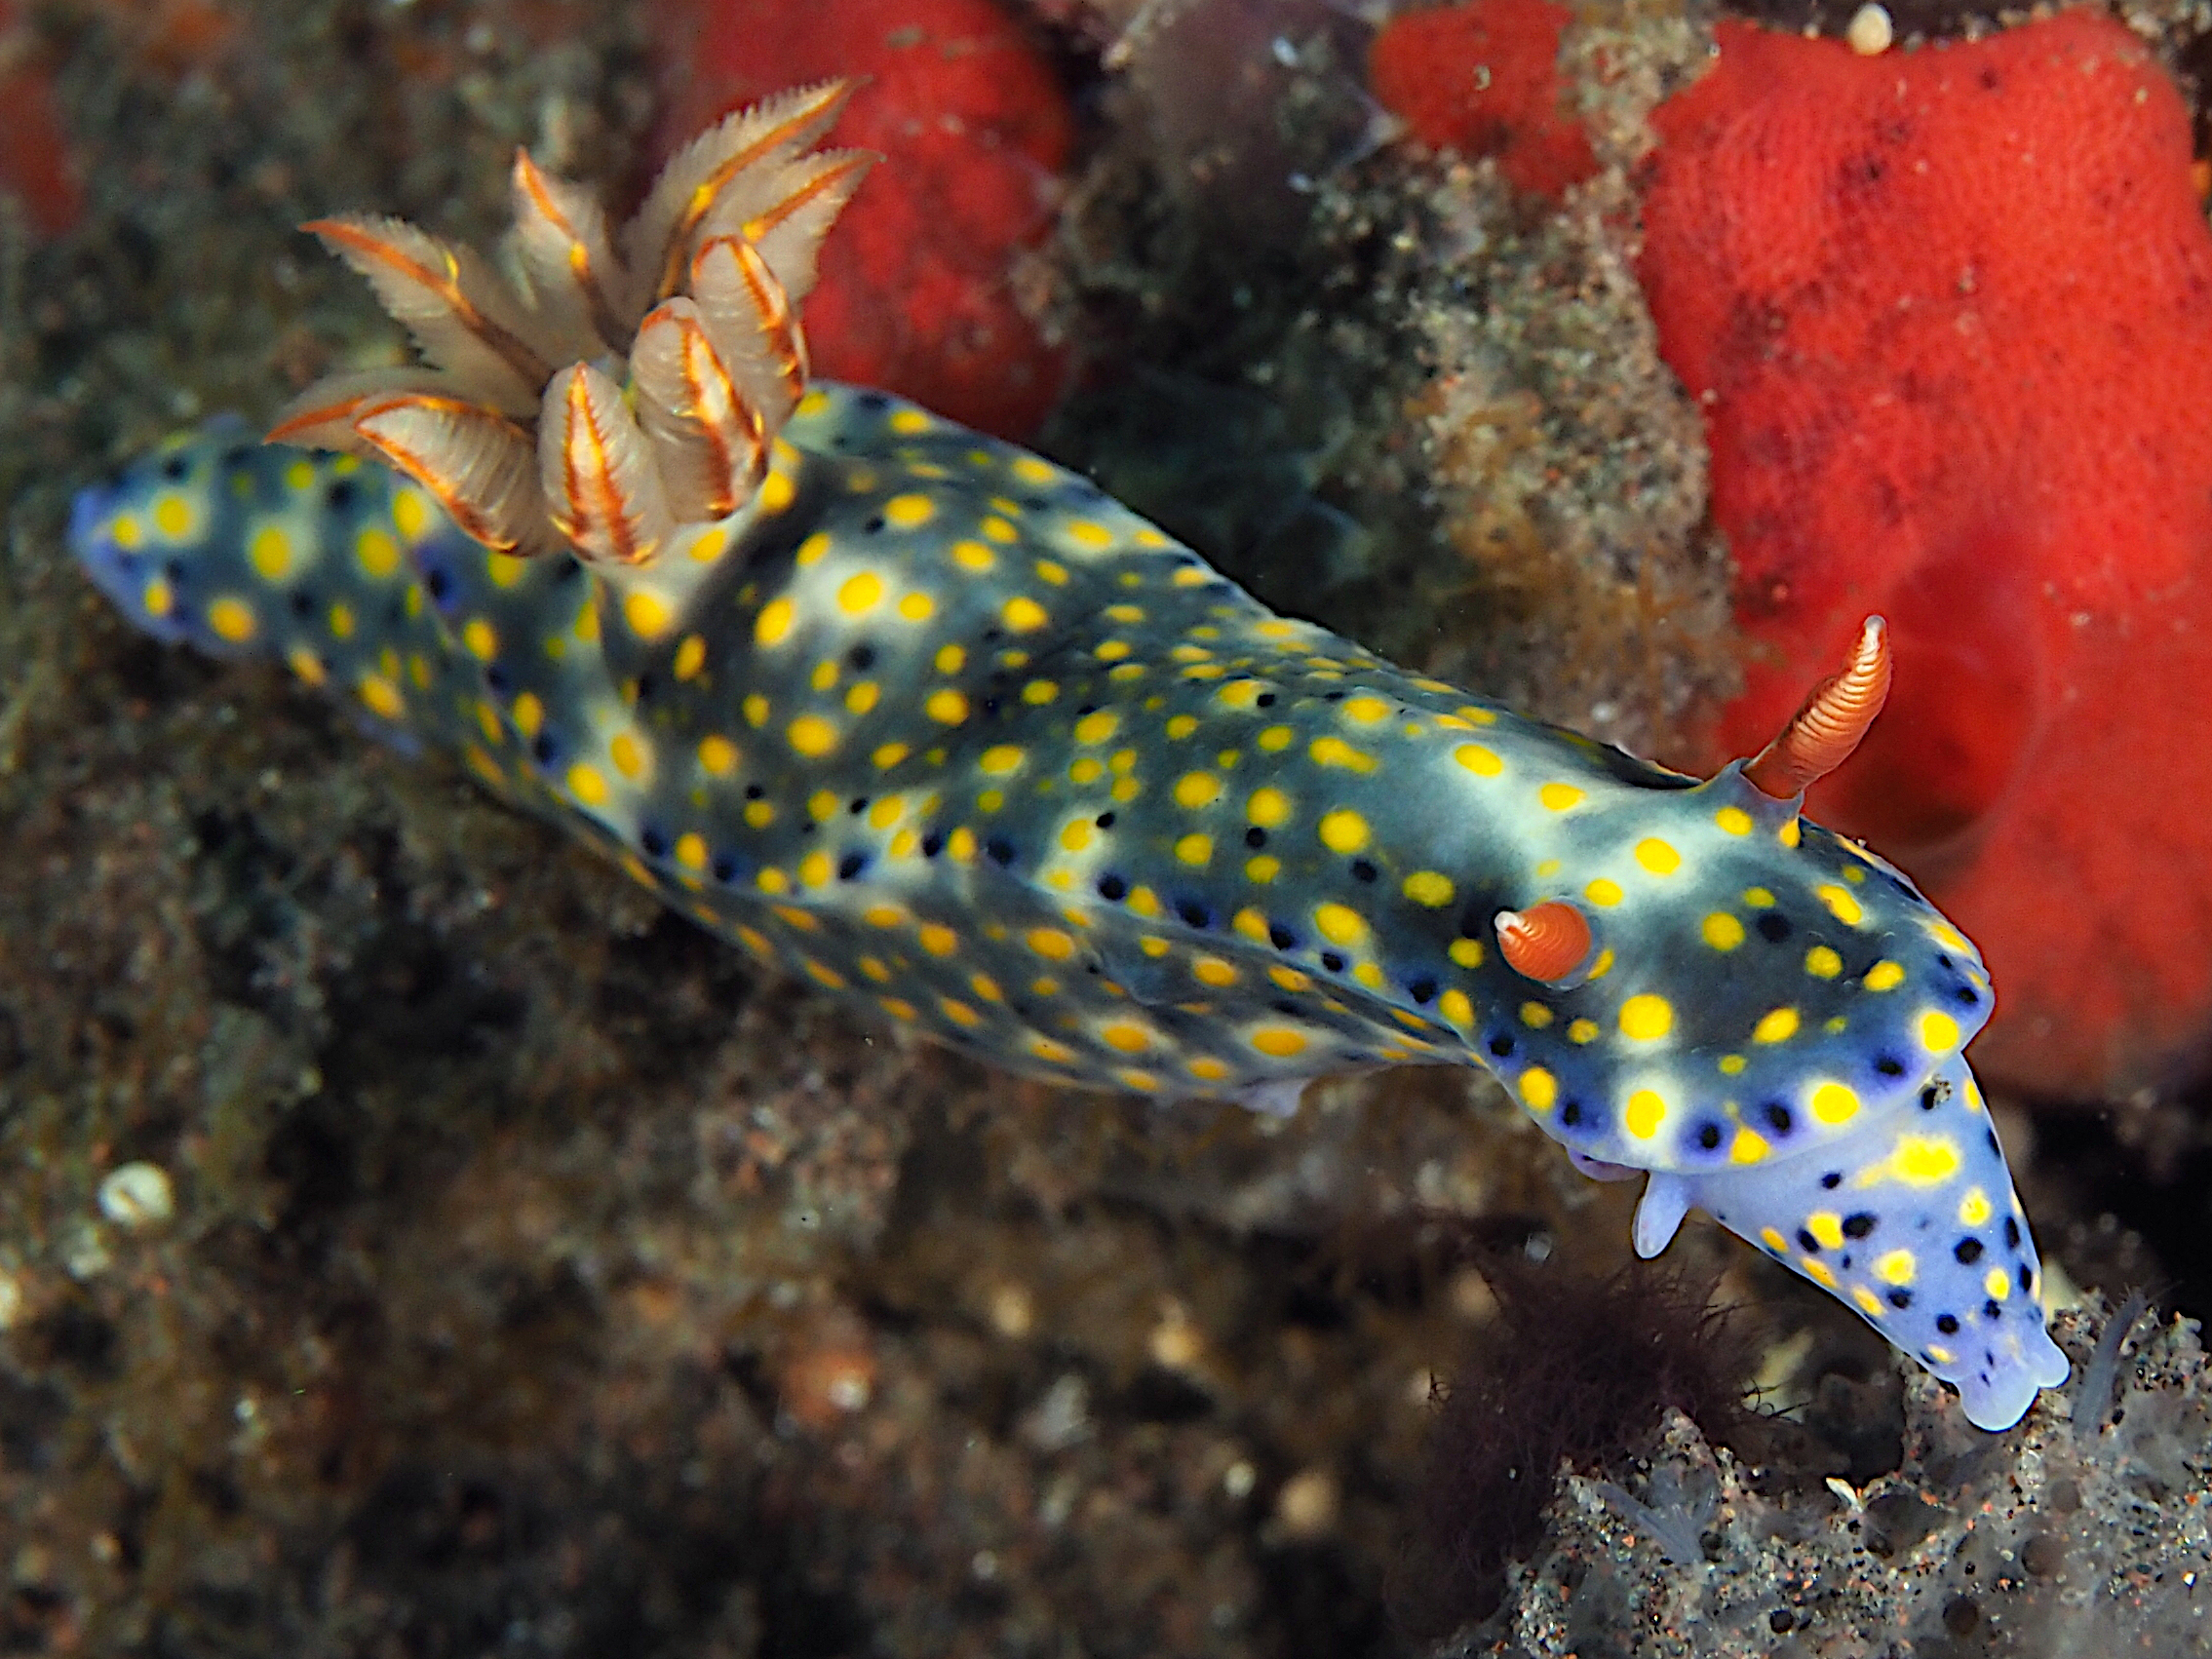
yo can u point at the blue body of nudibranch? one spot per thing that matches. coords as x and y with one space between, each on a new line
957 735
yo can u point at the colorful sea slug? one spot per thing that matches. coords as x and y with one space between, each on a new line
936 724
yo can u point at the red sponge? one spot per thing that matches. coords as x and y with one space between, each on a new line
917 292
1483 78
1950 316
35 165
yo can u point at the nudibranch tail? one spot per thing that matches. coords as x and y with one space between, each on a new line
937 725
1832 723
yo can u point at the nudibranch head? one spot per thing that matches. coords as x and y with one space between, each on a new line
1912 1221
1695 978
1754 986
1695 983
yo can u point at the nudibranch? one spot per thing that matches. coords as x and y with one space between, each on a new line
937 725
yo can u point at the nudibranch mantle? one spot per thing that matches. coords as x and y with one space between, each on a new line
935 723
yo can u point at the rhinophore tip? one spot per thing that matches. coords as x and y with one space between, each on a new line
1821 736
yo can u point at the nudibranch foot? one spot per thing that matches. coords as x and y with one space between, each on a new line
1659 1212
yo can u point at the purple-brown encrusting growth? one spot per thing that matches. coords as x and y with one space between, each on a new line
1575 1368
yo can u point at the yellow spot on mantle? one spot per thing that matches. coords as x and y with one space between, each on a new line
647 615
585 783
233 619
1194 789
1344 830
1923 1160
1126 1035
270 553
1335 751
383 698
1339 924
1748 1148
1051 942
773 624
1430 888
811 735
1833 1102
905 512
1776 1025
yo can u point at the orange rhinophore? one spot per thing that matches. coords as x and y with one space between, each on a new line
1822 734
1545 942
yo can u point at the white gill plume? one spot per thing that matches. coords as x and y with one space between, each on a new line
612 387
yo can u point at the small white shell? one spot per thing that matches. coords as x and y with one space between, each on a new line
1871 32
137 1195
